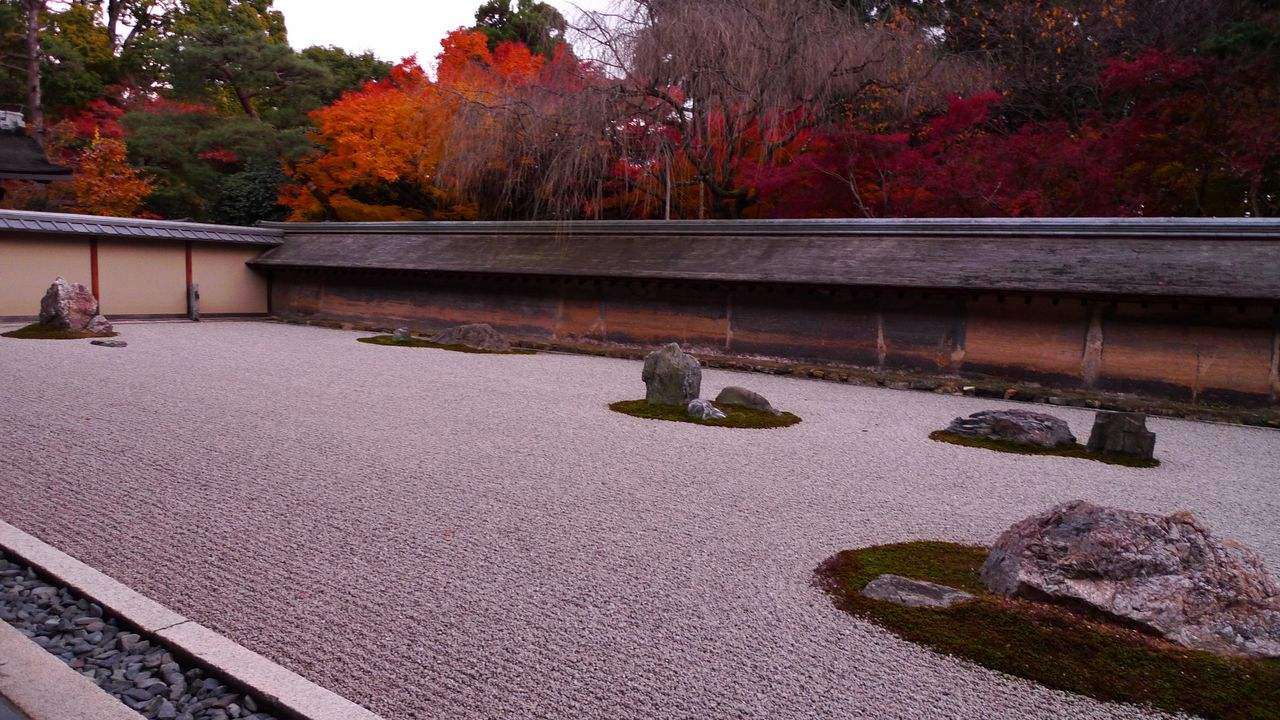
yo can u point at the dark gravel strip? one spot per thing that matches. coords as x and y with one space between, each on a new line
137 672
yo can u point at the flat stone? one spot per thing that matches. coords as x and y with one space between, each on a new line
671 377
704 410
1122 433
743 397
901 590
110 343
1167 574
478 336
1016 426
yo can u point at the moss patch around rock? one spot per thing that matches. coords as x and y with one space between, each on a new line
1075 450
736 416
418 342
1049 644
36 331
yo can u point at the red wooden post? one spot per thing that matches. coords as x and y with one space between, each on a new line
93 270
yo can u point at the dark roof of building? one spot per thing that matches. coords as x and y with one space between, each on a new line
12 221
1160 257
21 158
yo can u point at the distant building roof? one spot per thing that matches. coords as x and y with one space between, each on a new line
21 158
12 221
1183 257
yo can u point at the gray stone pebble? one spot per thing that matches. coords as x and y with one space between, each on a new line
124 664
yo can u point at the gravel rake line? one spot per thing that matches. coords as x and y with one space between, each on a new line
138 672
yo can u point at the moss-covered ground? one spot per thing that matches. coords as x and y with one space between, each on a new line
36 331
1049 644
417 342
1075 450
736 416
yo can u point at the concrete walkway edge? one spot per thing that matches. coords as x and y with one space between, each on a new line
44 688
290 692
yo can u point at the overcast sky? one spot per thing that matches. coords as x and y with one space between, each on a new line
392 29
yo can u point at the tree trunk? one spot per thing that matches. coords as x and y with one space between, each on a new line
246 103
35 102
114 8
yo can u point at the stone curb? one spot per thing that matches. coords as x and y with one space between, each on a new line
43 687
292 694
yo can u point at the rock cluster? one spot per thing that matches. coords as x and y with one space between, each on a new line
1122 433
671 377
914 593
70 306
141 675
704 410
743 397
1016 426
477 336
1169 575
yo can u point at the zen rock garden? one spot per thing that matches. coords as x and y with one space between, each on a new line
474 337
1169 575
673 385
1119 438
68 311
1112 603
1155 610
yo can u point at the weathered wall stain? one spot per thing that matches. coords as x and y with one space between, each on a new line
1226 352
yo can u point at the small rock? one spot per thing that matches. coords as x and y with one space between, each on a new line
704 410
1016 426
401 335
1122 433
110 343
745 398
99 326
914 593
671 376
166 711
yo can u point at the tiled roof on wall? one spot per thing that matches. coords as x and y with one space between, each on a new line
19 221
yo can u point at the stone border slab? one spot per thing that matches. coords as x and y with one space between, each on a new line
43 687
133 608
289 692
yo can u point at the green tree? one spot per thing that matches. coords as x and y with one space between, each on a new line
234 54
349 71
536 24
210 166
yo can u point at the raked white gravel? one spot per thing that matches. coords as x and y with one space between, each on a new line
436 534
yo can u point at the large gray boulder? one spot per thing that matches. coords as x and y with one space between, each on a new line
1122 433
1016 426
478 336
914 593
671 377
1167 574
70 306
743 397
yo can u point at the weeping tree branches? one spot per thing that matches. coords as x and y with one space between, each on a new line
678 102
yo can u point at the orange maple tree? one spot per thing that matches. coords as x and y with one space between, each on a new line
381 147
104 183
